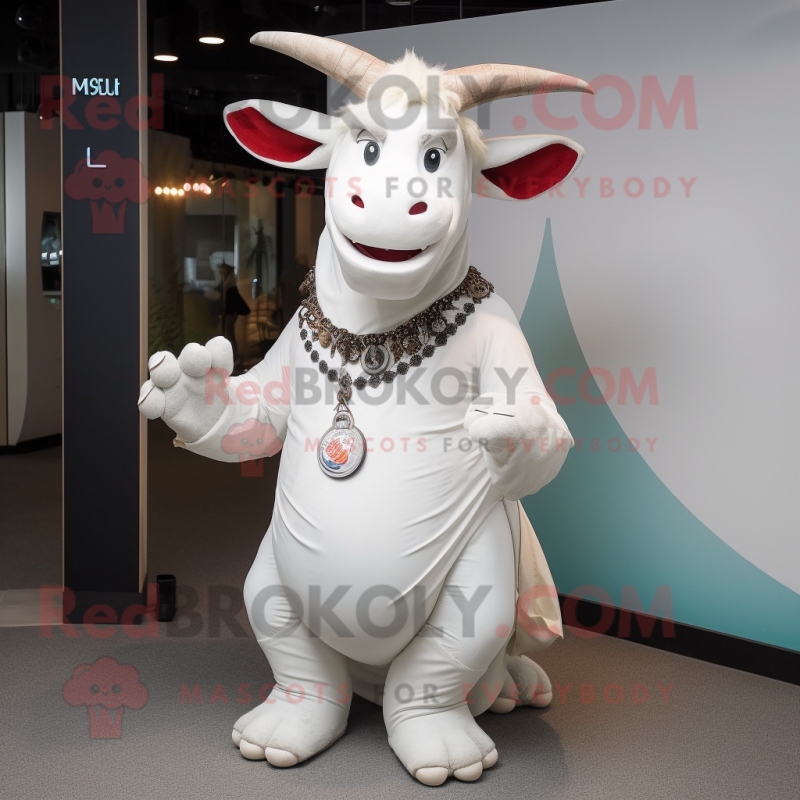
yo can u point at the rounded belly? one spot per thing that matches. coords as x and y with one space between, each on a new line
366 555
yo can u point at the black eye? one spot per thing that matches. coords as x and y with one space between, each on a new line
94 688
371 153
119 183
97 183
432 159
116 688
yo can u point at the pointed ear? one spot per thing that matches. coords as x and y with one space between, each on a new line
283 135
522 167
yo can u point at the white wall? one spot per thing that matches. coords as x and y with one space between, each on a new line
702 288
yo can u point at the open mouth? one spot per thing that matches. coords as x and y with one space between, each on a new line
379 254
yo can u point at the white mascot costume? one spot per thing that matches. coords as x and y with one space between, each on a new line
398 564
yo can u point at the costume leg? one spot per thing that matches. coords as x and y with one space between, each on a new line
522 682
427 698
307 709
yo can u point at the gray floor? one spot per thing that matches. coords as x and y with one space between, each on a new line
722 734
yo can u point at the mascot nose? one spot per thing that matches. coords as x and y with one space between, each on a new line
357 201
418 208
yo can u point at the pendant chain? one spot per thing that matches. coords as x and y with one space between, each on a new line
383 355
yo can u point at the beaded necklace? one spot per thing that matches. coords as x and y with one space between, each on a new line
382 356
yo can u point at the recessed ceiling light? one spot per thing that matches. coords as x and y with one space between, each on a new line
209 30
163 46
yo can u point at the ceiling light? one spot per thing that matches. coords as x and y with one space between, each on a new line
173 191
163 46
209 31
159 190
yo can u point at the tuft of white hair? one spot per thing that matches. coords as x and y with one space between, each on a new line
419 82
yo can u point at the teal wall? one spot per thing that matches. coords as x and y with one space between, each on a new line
608 521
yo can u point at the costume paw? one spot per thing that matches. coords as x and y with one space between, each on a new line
525 684
433 747
285 733
177 390
245 720
500 427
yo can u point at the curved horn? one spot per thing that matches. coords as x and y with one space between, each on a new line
352 67
482 83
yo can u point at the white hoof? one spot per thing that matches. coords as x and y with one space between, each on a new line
194 360
502 705
542 700
152 400
490 760
470 773
280 758
237 737
431 776
164 369
251 751
221 353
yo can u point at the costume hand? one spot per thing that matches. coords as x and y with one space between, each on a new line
179 390
501 428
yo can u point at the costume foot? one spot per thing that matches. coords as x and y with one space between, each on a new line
525 684
245 720
285 732
434 746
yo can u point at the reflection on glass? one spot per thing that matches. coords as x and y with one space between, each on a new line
220 248
51 253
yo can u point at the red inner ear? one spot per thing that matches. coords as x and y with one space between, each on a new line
268 140
534 173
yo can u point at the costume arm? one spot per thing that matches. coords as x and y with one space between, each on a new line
257 406
525 439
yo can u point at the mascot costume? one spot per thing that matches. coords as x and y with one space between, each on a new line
398 563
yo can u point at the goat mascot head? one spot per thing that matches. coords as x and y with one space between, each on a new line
401 167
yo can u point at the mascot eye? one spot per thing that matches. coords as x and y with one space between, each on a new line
97 183
372 153
94 688
119 183
116 688
433 158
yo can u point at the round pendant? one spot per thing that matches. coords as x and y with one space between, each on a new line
341 450
375 359
438 325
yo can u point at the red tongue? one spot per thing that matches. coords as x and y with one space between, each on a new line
380 254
